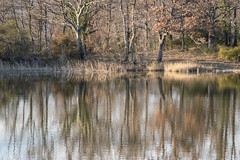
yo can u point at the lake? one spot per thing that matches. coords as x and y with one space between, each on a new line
129 116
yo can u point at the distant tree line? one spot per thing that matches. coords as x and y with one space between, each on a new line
122 27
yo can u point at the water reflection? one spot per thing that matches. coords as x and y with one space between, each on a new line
129 117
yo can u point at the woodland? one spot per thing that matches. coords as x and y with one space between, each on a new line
77 29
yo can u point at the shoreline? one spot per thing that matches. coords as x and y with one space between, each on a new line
173 61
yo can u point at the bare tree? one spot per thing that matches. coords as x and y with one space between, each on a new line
235 14
129 30
133 32
72 14
40 23
29 4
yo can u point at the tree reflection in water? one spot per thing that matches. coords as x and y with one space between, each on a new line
134 117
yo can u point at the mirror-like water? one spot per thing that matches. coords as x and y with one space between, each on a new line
128 117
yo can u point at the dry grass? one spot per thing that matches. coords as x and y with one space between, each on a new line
22 67
154 66
173 61
180 67
74 66
93 66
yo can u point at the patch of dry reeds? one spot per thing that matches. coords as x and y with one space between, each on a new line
89 66
154 66
181 67
23 67
93 66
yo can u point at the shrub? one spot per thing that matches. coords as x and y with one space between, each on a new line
229 53
177 43
173 44
205 49
65 44
14 41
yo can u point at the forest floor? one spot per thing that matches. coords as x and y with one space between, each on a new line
173 61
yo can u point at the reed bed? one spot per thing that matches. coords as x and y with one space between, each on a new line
75 66
180 67
110 67
93 66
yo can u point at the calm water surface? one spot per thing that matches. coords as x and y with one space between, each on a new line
126 117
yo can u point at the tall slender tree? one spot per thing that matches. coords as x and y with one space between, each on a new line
73 15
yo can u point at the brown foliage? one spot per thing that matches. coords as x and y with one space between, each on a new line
64 44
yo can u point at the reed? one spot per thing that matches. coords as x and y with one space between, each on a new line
89 66
154 66
93 66
180 67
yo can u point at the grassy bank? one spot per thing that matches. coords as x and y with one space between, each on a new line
173 61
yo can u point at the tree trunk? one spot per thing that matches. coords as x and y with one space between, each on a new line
146 27
210 39
46 30
182 26
229 34
22 16
80 45
235 37
225 36
40 23
131 45
146 36
30 29
126 40
211 31
161 45
126 28
229 25
28 6
132 41
109 6
183 41
127 34
15 16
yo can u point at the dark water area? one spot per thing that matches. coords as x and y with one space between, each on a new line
122 117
